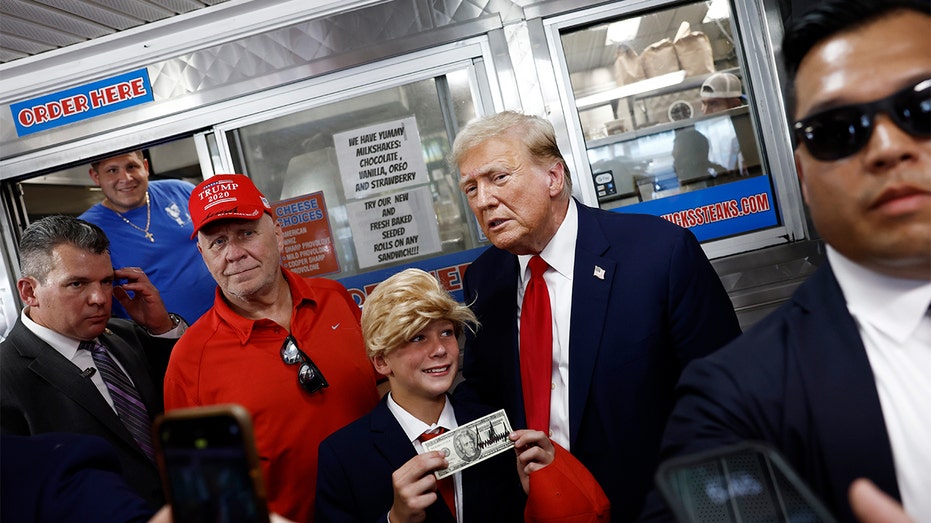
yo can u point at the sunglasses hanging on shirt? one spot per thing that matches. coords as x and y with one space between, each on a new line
308 375
843 131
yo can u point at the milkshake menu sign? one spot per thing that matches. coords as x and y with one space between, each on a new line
380 158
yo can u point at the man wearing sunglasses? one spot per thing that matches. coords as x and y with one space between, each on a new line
838 380
287 348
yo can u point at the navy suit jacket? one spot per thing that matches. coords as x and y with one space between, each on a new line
62 478
799 380
355 465
44 392
658 305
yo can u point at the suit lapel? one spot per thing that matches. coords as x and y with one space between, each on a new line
592 281
60 373
836 371
499 323
389 439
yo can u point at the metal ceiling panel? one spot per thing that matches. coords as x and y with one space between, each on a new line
30 27
138 9
38 33
178 6
51 18
92 11
20 47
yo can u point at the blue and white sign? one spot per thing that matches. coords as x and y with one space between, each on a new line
80 103
449 269
719 211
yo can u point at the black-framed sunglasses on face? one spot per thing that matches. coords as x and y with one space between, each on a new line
842 131
308 375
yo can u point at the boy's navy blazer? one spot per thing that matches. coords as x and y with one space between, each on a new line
356 462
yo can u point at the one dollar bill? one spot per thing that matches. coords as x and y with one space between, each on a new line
472 443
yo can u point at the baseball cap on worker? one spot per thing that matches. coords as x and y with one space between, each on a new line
721 85
224 197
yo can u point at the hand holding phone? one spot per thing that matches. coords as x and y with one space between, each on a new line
748 482
209 465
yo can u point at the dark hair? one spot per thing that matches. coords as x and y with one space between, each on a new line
827 18
137 152
42 236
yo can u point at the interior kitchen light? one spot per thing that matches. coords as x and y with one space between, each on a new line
717 10
622 31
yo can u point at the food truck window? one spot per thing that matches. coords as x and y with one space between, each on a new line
361 185
666 116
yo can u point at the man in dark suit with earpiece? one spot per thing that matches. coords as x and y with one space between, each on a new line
68 367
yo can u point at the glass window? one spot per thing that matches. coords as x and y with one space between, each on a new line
375 165
662 102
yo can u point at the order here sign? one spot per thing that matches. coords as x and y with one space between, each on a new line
80 103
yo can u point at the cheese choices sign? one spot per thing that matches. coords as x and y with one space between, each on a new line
80 103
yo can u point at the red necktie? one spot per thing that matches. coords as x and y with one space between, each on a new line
445 486
536 348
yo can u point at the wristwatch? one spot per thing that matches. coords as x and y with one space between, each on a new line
175 319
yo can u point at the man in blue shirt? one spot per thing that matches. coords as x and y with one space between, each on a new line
149 227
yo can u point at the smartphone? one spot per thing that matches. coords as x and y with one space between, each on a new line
749 482
209 466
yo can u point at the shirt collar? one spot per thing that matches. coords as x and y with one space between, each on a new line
63 344
413 427
559 253
243 327
895 306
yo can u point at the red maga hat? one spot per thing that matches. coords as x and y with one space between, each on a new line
224 197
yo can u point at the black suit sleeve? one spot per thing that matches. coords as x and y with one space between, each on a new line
63 478
702 317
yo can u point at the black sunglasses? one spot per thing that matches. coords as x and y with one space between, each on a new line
842 131
309 376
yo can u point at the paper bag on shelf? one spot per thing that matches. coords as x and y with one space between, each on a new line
627 68
659 58
693 50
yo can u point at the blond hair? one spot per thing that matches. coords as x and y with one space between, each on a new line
404 305
537 134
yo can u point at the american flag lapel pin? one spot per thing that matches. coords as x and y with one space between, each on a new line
599 273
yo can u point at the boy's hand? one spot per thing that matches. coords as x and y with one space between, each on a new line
415 487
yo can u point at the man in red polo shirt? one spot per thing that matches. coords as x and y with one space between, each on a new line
287 348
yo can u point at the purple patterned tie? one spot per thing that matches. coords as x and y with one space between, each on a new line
126 399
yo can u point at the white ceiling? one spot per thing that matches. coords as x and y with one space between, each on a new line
30 27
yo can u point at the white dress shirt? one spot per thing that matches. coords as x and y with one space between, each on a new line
413 428
892 315
83 360
559 254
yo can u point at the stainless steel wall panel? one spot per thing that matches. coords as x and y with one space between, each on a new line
283 55
446 12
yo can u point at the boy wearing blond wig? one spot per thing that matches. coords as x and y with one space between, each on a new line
375 469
